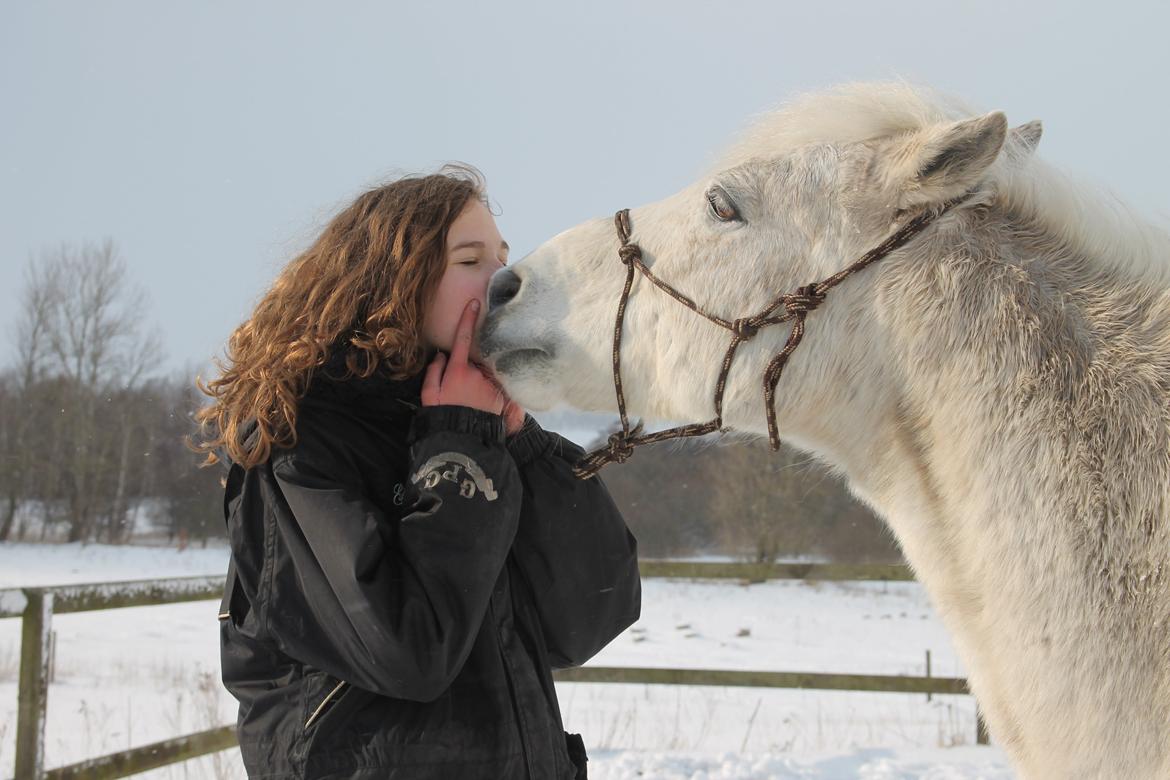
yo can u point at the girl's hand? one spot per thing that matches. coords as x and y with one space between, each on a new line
457 382
513 416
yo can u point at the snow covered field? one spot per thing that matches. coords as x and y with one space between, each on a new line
133 676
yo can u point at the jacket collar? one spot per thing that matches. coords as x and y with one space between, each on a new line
378 393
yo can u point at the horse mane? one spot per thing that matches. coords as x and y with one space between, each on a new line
1084 218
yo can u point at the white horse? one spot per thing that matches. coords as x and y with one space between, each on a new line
998 389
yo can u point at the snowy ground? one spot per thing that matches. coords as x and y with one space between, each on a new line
133 676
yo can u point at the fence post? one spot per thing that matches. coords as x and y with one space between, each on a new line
52 656
33 695
928 671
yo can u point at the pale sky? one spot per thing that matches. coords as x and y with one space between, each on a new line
212 140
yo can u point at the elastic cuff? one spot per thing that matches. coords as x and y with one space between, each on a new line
530 442
456 419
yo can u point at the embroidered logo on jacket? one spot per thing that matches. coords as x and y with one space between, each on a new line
459 469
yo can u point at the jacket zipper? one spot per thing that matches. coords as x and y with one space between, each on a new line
511 691
321 707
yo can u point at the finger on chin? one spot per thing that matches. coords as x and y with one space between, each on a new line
461 348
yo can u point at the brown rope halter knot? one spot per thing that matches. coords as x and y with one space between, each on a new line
796 307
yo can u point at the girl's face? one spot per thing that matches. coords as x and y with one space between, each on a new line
475 251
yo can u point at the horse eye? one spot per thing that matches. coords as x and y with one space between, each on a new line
721 205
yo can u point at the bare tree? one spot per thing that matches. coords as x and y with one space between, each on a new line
12 471
94 336
734 496
664 494
763 506
32 338
87 432
91 339
773 504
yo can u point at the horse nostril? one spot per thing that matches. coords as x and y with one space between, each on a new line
505 284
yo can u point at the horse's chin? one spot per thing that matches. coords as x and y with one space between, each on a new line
529 377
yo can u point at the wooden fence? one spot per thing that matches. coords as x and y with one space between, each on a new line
36 607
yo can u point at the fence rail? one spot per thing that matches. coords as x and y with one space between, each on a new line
759 572
115 595
884 683
147 757
36 607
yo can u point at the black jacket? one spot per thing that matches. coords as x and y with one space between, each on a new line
403 580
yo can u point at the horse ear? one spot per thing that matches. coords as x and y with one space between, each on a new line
943 162
1027 135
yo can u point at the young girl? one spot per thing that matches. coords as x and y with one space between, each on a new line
411 553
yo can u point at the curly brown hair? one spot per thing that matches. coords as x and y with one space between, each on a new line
362 287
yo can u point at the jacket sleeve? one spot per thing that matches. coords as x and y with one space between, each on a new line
574 549
395 610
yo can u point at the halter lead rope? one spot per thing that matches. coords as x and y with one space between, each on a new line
796 305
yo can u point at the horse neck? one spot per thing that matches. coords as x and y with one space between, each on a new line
1015 440
1014 368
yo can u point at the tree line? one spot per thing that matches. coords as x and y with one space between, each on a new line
91 430
735 497
92 445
